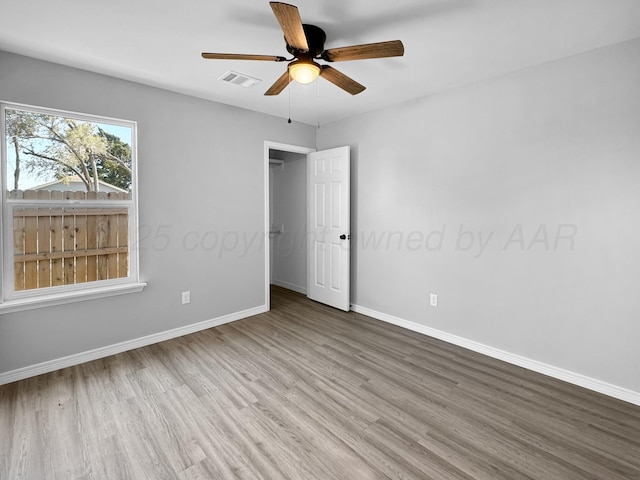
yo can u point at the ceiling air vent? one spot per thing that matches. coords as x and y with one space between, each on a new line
239 79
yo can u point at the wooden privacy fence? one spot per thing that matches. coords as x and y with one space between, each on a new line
56 245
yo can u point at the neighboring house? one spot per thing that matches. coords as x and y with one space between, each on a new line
75 184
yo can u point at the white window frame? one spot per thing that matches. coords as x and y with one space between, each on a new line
12 300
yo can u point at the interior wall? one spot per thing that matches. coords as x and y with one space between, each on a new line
516 201
201 211
289 211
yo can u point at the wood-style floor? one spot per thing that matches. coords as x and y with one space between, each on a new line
307 392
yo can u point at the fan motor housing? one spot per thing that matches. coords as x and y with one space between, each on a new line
315 41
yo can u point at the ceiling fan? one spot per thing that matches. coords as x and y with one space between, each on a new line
306 44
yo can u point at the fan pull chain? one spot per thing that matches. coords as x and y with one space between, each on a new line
289 88
318 104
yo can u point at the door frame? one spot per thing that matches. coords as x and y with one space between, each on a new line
269 145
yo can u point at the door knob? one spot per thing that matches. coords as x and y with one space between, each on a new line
344 237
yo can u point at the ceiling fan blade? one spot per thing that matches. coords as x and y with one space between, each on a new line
393 48
240 56
291 24
279 84
339 79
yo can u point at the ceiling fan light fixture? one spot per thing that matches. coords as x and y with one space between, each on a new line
304 71
306 43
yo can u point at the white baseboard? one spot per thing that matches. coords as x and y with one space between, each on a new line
76 359
290 286
533 365
565 375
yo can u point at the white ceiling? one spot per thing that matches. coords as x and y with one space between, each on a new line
447 43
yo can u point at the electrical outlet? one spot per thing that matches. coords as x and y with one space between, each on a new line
433 299
186 297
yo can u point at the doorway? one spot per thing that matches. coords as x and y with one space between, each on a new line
286 217
307 221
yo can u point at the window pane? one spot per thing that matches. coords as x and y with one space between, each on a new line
66 246
47 152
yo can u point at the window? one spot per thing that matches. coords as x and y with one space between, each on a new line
69 219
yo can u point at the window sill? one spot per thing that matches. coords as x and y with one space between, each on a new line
21 304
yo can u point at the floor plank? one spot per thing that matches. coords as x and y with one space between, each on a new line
308 392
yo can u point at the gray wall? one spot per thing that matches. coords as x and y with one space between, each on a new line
201 169
513 160
541 167
289 189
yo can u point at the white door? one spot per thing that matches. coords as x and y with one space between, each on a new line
328 242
